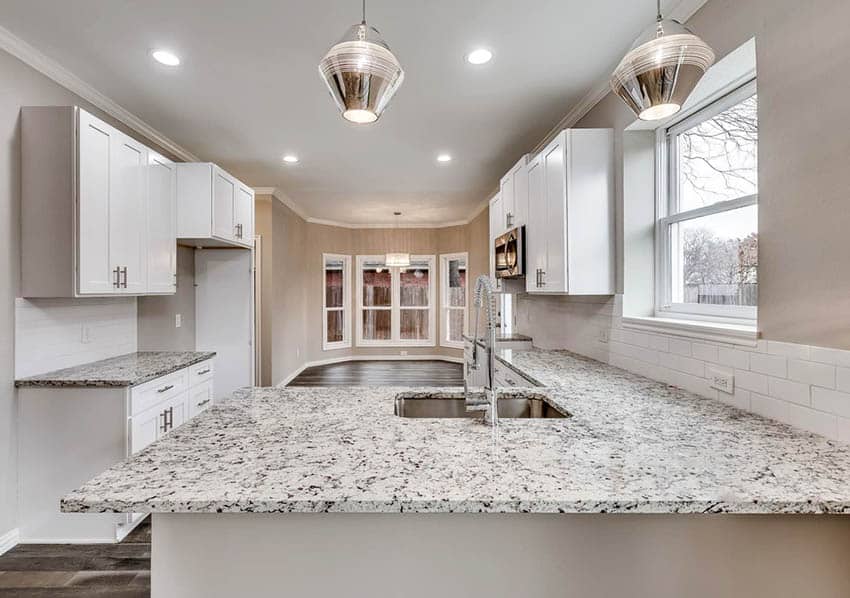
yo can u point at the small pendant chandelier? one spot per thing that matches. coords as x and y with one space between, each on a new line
361 73
661 69
397 260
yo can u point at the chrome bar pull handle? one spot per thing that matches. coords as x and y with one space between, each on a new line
124 272
165 388
163 427
117 282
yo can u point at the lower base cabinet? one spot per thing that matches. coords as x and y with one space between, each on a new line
69 435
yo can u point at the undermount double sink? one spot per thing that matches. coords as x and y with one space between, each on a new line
513 405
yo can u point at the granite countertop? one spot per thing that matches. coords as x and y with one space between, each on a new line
631 445
125 370
503 338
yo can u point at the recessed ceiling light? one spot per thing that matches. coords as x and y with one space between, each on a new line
165 57
479 56
444 158
290 159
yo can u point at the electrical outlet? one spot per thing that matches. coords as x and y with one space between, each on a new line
603 335
722 380
85 333
178 321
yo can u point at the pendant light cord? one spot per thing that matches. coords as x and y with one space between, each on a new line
364 12
658 12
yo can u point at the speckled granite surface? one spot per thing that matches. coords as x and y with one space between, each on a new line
124 370
632 445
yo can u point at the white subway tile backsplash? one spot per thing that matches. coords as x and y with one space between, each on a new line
767 407
705 352
740 399
752 381
49 333
825 424
832 401
694 367
680 347
788 349
788 390
633 351
772 365
659 343
809 372
842 379
833 356
734 358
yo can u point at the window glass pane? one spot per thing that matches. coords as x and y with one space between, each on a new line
457 283
376 324
718 158
715 258
335 325
414 324
415 282
333 283
377 285
456 325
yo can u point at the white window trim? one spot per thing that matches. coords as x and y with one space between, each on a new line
395 308
345 343
666 214
444 299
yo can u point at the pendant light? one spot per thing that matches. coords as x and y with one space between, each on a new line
661 69
398 260
361 73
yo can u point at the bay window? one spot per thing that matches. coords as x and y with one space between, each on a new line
395 305
707 233
453 299
336 302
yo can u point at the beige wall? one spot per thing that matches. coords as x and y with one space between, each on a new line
804 148
297 280
21 86
157 315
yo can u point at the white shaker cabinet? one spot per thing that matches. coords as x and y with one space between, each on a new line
570 230
496 214
214 209
162 224
513 189
91 209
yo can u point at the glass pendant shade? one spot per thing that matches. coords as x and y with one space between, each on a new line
397 260
661 70
362 74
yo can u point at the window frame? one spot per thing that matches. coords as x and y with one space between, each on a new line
667 213
395 307
345 343
445 306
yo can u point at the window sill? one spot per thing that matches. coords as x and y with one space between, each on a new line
733 334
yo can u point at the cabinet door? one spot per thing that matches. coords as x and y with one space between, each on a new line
200 398
536 228
162 216
521 194
224 197
496 229
555 183
146 427
245 215
127 212
506 194
178 411
93 269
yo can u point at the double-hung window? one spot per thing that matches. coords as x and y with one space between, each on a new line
453 299
395 305
336 302
707 232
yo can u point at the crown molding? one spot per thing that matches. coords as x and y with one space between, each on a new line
53 70
264 190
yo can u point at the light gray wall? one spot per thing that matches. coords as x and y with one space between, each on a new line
804 148
157 315
21 86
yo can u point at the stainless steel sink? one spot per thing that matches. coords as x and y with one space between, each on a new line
516 405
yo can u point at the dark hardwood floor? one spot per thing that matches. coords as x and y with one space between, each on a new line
382 373
77 570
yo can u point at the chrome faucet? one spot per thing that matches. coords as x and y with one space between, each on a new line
484 297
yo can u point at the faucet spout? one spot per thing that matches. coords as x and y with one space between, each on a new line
484 297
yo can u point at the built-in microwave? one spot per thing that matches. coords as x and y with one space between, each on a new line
510 254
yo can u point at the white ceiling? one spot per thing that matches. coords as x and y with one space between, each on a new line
248 90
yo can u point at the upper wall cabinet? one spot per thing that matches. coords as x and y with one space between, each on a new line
570 229
97 211
513 190
214 209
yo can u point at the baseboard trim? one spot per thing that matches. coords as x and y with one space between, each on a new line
9 540
69 541
332 360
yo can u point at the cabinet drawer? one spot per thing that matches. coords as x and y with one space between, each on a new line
157 420
151 393
200 398
201 372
